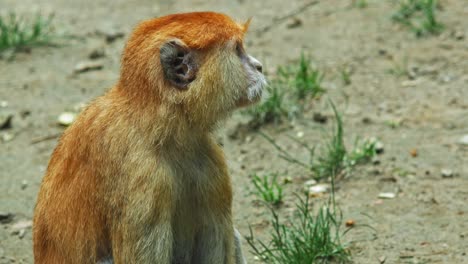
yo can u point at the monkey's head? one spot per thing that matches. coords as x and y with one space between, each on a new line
193 64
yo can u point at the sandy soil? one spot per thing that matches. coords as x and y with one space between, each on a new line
428 220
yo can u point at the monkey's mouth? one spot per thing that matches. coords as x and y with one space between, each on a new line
255 90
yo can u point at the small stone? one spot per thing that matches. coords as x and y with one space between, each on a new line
22 224
379 147
366 120
113 36
21 233
411 83
350 223
375 161
24 184
446 173
6 218
375 171
86 66
25 113
414 153
310 183
387 195
382 52
445 78
3 104
294 23
300 134
97 53
5 120
464 140
66 118
319 118
382 259
318 189
7 136
287 180
459 35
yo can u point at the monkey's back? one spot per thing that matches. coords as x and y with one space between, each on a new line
71 214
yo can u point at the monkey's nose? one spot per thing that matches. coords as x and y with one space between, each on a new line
256 64
259 67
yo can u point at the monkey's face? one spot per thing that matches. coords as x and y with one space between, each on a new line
253 73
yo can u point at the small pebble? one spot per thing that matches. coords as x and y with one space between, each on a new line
86 66
300 134
366 120
414 153
318 189
66 118
5 120
350 223
375 161
382 259
387 195
20 233
22 224
113 36
411 83
7 136
459 35
24 184
310 183
97 53
294 23
446 173
464 140
287 180
6 218
379 147
3 104
319 118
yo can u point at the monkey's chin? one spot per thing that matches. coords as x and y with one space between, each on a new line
248 101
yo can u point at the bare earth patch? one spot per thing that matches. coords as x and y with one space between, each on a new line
411 93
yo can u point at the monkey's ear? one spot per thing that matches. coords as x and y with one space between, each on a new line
178 63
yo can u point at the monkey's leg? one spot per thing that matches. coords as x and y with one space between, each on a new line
215 245
240 259
144 245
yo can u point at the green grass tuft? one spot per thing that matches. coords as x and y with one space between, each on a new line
333 157
17 32
360 3
331 160
312 236
306 80
419 16
273 109
268 189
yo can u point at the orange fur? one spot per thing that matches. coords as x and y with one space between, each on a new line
139 173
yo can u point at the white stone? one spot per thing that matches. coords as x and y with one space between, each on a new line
387 195
66 118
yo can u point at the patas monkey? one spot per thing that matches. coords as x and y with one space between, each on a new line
139 178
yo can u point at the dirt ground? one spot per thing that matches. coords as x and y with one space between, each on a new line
428 220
